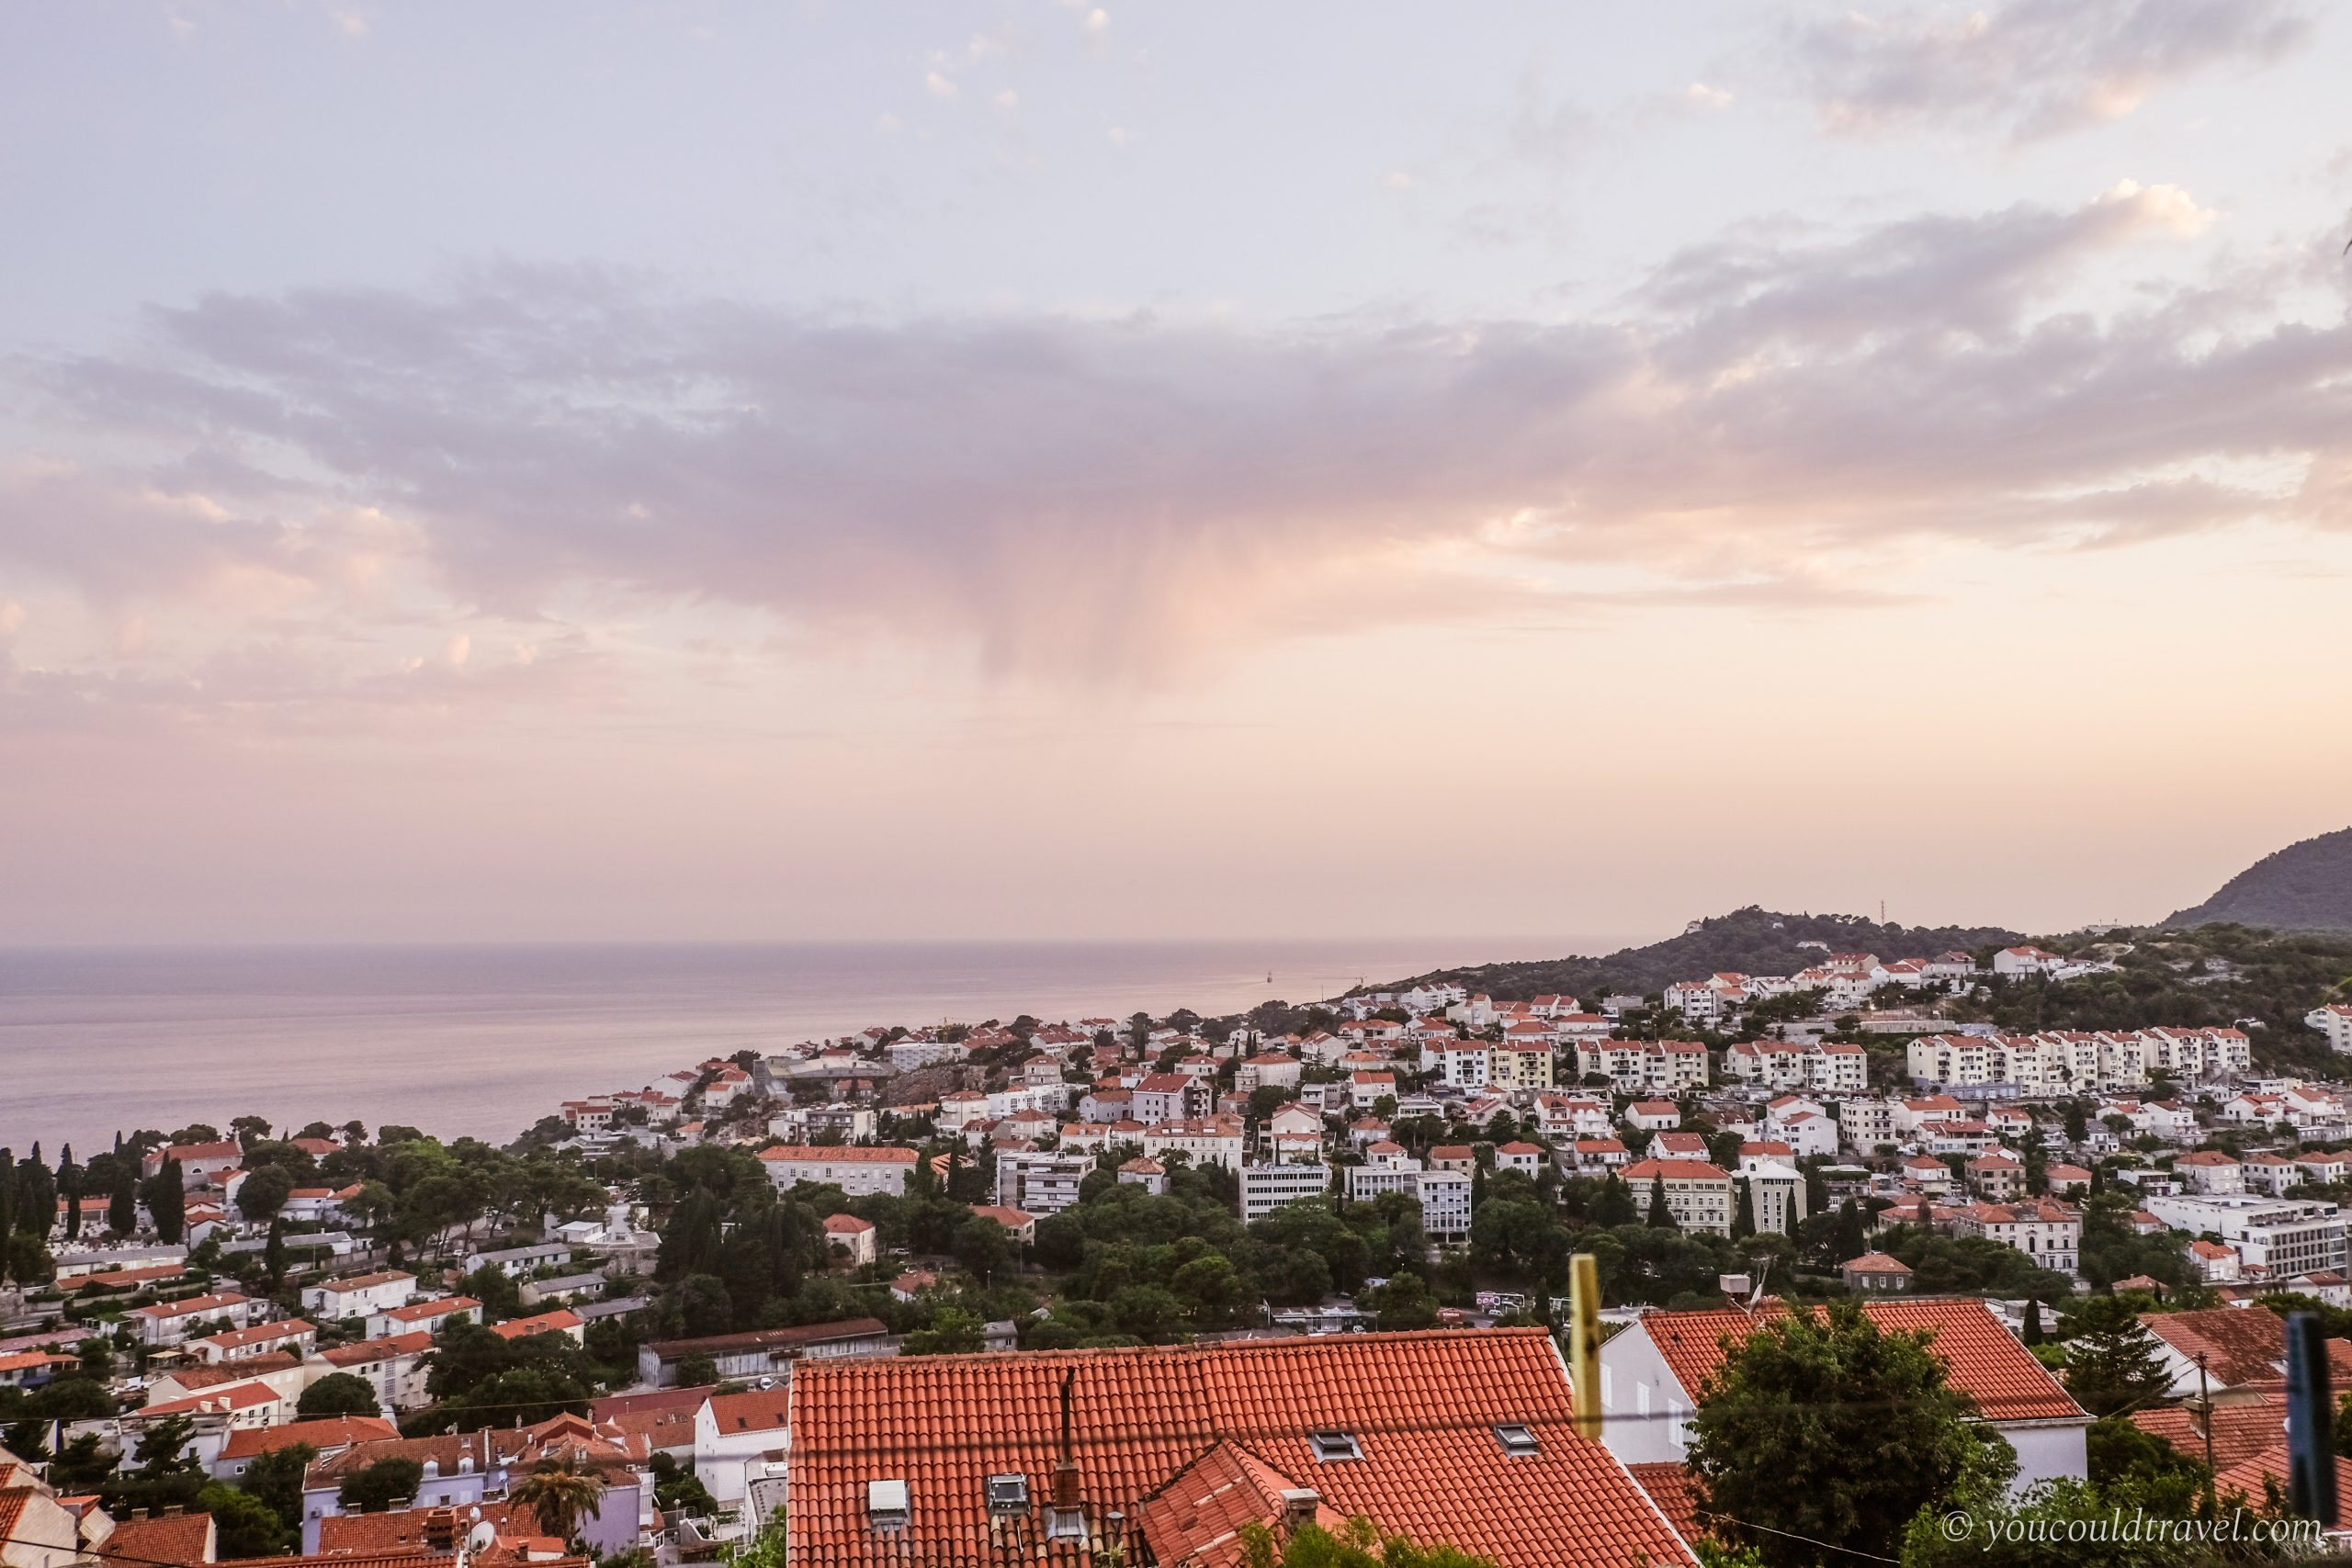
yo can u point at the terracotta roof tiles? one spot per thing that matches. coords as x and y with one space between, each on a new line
1422 1408
1984 1360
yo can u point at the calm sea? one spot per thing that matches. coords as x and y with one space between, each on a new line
483 1041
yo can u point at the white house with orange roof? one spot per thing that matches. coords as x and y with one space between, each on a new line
2271 1173
171 1323
2210 1172
859 1172
197 1161
1698 1192
1525 1157
1653 1373
2216 1264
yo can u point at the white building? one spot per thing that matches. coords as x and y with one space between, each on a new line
1209 1140
1652 1372
2336 1023
1780 1064
2274 1238
1267 1187
358 1294
1038 1182
1633 1066
858 1172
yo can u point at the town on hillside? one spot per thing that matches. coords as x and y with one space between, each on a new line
849 1301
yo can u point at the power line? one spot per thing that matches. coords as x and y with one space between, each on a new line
1792 1535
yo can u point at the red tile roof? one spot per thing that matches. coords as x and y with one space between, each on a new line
839 1154
426 1311
754 1410
2245 1478
1669 1485
1422 1408
2240 1431
175 1537
560 1321
400 1530
2243 1348
325 1434
1984 1360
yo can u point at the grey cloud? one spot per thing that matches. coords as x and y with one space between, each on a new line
1080 497
2028 69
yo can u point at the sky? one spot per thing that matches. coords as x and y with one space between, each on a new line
1036 470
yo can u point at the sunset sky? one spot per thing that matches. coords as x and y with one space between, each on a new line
1193 469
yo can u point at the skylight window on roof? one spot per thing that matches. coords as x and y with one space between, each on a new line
886 1504
1517 1441
1008 1495
1332 1446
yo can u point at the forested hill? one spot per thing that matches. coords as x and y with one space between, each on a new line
1750 941
2303 887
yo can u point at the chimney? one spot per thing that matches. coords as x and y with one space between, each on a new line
440 1531
1299 1504
1065 1469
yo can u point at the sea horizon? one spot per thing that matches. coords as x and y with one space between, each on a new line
481 1038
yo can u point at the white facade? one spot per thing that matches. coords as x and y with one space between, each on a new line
858 1172
1636 1065
2274 1238
1267 1187
359 1295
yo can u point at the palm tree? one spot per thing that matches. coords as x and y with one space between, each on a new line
560 1493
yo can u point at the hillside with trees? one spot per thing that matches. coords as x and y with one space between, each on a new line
1752 941
2215 975
2305 886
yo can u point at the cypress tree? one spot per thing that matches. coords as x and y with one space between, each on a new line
1850 1241
8 1194
1743 1210
122 1207
167 1201
1661 1218
2032 1321
69 1192
273 1256
36 1197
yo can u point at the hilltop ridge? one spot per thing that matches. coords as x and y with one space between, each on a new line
1753 940
2306 886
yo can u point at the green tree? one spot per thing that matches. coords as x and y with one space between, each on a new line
275 1478
167 1203
122 1204
263 1192
499 1296
2111 1360
1357 1544
338 1394
245 1526
1660 1217
162 1448
981 1246
2048 1529
1613 1204
1823 1426
951 1333
560 1493
379 1485
1406 1303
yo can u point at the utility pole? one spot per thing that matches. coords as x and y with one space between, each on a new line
2205 1405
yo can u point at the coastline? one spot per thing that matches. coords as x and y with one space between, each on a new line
482 1040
